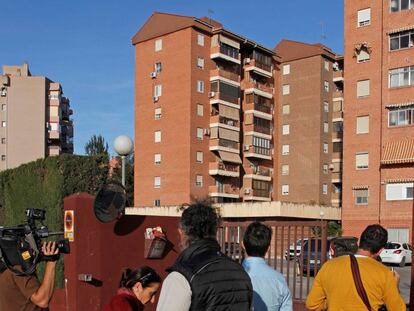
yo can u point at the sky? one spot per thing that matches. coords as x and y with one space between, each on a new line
86 45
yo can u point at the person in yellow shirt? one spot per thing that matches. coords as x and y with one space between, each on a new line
334 288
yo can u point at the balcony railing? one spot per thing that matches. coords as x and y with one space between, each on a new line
256 63
226 51
268 87
224 120
258 128
224 167
255 104
262 171
225 189
261 193
336 176
260 150
225 74
228 143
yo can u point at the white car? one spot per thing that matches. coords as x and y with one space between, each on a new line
396 253
297 246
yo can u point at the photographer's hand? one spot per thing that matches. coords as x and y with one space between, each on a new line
44 293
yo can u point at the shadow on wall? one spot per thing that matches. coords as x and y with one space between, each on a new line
128 224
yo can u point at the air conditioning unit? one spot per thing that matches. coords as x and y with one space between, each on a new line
155 99
153 74
207 132
246 147
331 167
247 60
211 94
3 92
335 66
247 190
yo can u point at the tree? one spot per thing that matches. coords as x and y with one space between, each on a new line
96 146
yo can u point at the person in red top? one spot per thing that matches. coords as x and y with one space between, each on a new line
136 289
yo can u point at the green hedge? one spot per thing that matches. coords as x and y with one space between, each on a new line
43 184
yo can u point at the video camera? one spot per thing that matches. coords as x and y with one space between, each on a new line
21 245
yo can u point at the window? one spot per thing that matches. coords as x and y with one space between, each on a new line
157 113
199 133
362 125
325 169
361 196
3 107
157 159
285 129
337 126
158 45
285 189
200 86
401 40
285 149
401 191
401 116
337 146
157 67
200 62
157 182
158 90
199 180
3 157
325 127
362 55
326 65
286 89
3 124
157 202
364 17
399 5
361 160
3 141
200 39
157 136
326 86
324 189
285 109
325 148
54 126
285 169
401 77
200 110
286 69
362 88
199 157
399 234
326 106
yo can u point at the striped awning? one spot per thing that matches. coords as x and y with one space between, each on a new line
397 152
399 105
360 187
409 27
398 180
230 157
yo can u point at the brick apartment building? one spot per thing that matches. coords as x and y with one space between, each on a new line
379 116
35 118
309 124
207 123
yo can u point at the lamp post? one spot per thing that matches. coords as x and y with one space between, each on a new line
123 145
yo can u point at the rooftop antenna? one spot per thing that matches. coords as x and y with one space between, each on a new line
210 12
323 37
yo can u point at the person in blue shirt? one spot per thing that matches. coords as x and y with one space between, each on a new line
270 291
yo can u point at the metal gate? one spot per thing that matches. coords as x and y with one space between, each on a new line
297 250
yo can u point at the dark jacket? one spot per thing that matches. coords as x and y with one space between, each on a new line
217 282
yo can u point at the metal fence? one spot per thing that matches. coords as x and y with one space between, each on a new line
297 251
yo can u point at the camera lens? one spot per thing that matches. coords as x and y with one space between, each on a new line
63 246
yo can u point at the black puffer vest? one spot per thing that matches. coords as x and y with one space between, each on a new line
217 282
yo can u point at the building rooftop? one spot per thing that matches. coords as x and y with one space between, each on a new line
290 50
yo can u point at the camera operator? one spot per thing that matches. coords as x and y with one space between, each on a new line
26 292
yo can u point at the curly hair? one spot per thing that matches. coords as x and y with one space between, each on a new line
199 221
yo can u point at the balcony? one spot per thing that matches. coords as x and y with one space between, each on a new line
338 115
257 195
259 173
54 134
226 191
231 77
225 53
262 89
336 199
223 144
338 76
221 169
217 97
257 67
218 120
337 136
258 152
336 177
258 129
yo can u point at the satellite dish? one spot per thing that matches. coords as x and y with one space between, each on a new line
110 202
